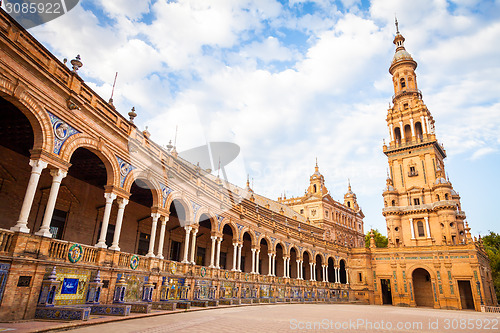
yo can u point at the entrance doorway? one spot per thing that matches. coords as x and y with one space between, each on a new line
422 288
466 295
386 291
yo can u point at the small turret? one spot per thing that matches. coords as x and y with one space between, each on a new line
350 198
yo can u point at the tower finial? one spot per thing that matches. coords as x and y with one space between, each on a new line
316 167
397 24
349 184
248 180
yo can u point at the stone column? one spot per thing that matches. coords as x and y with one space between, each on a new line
217 259
347 275
110 197
257 262
402 131
253 261
212 251
284 266
288 268
57 177
164 220
270 262
239 258
337 275
311 273
36 170
298 269
390 132
326 273
274 264
422 120
428 227
235 253
186 244
412 229
412 128
152 237
122 203
314 271
193 246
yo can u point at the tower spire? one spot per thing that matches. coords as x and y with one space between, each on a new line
397 24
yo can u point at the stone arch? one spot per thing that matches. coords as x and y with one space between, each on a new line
343 270
250 233
212 218
233 227
181 199
309 252
412 268
37 116
270 246
422 286
99 149
321 255
293 246
283 245
152 184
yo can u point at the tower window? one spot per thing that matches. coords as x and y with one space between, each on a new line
416 201
302 211
420 228
403 83
413 172
393 202
349 204
405 106
315 189
397 135
446 196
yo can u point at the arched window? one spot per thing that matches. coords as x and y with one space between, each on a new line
418 130
408 133
437 197
397 135
314 187
393 202
420 228
349 204
446 196
403 83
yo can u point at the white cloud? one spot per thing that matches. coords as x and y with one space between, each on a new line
205 66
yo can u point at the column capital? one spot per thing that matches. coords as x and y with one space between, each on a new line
155 216
195 231
240 245
188 229
110 197
58 174
213 238
37 165
122 202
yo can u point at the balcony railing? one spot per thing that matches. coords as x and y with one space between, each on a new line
5 240
407 92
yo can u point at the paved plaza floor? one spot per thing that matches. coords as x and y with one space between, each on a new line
300 318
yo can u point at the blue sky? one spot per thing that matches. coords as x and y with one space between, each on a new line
290 81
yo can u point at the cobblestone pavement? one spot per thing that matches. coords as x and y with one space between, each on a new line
307 318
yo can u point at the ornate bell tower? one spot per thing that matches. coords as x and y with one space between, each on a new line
317 183
420 206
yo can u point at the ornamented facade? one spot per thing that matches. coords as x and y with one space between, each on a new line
93 211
